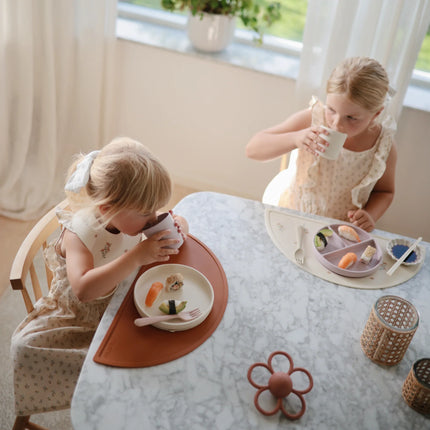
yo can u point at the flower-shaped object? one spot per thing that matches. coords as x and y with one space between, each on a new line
280 385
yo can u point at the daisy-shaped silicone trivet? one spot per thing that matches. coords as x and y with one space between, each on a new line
280 385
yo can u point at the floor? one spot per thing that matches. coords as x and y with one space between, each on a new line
13 232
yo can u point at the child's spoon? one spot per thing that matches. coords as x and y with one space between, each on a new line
185 316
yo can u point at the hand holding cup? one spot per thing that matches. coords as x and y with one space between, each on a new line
165 221
335 140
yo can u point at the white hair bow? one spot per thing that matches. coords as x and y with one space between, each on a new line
79 178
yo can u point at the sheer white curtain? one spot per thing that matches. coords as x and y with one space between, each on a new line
390 31
55 79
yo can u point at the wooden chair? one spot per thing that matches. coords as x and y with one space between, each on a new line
23 264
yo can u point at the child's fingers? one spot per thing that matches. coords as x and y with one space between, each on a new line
362 219
166 243
163 252
321 130
321 141
311 143
355 214
365 225
176 223
160 235
181 226
361 215
179 230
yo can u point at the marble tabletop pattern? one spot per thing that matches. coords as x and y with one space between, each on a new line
273 305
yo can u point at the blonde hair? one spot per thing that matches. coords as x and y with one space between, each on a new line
124 175
363 80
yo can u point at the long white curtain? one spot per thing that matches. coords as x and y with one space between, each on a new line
390 31
55 79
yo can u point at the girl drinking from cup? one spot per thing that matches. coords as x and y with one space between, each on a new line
113 195
359 185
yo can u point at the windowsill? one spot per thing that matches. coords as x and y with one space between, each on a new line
237 54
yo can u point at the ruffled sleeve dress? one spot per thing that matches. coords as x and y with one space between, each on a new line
332 187
48 348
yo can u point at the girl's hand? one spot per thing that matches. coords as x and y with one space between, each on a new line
181 225
155 249
362 219
309 139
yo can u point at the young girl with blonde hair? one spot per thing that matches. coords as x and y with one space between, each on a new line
113 194
357 187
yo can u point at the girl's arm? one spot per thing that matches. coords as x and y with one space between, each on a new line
380 198
89 282
294 132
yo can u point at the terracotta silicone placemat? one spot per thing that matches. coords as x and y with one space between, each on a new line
126 345
281 227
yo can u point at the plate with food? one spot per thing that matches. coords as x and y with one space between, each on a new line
170 289
347 250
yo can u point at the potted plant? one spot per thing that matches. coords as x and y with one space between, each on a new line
211 18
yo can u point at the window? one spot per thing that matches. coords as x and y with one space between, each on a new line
423 62
284 36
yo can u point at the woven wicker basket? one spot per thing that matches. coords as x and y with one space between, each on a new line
389 330
416 388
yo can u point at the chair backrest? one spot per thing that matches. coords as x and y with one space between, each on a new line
23 263
284 162
276 186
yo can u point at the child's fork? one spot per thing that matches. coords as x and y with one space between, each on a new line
299 255
185 316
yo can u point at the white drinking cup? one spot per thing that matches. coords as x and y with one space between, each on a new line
335 140
165 221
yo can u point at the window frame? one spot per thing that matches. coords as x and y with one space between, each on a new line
279 45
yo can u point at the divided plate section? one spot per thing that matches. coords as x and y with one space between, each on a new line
338 246
197 291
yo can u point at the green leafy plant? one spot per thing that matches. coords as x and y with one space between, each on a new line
254 14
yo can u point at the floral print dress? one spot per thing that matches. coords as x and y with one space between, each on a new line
48 348
332 187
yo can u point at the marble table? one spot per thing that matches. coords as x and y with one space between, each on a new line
273 305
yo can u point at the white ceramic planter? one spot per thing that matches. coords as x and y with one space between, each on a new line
210 33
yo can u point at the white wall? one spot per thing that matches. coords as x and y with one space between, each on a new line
197 116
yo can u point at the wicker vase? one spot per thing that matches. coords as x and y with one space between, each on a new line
416 388
389 330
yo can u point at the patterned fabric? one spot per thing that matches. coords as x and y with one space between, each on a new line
48 348
332 187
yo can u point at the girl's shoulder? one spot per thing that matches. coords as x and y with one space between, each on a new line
386 139
378 141
315 101
80 221
83 224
